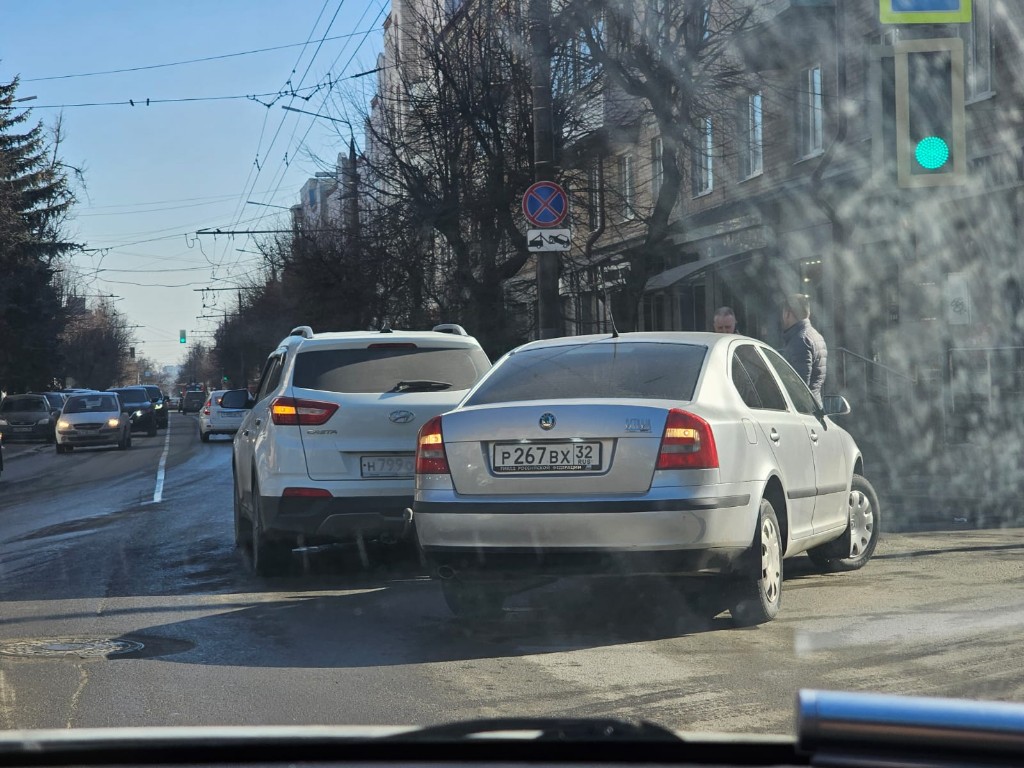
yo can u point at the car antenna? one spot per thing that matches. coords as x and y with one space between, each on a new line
386 328
611 315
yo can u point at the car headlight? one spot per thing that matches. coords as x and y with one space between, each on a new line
138 413
113 422
158 406
43 421
3 422
62 424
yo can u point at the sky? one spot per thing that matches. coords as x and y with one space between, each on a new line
155 175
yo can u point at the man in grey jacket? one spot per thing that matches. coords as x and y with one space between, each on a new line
803 347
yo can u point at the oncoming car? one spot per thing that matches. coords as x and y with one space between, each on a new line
92 420
683 454
325 452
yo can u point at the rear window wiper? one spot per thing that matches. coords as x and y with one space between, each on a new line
424 385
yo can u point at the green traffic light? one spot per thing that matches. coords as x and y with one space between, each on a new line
931 153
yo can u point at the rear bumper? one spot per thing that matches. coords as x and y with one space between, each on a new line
706 532
337 519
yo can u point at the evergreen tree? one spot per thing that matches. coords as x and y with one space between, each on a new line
35 197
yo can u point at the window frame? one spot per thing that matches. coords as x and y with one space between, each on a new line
771 379
627 186
751 135
981 21
702 160
657 167
810 113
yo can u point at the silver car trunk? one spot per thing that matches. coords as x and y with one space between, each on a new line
544 447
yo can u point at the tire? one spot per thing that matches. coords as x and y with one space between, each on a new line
469 600
61 449
204 436
125 442
242 530
268 557
856 545
151 432
757 598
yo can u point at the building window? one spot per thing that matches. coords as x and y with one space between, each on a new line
594 197
657 169
750 135
701 171
627 187
809 113
977 38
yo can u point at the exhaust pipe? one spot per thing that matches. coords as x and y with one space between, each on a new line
446 572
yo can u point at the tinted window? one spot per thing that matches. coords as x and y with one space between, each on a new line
762 391
93 403
798 392
154 393
55 400
380 369
271 377
24 405
132 396
596 370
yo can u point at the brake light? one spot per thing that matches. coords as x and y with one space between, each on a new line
687 443
206 410
289 410
306 493
392 345
430 456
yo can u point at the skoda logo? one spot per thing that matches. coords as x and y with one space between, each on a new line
401 417
547 421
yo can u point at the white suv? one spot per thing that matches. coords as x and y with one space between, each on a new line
326 451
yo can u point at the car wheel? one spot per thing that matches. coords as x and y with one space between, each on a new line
857 544
757 598
469 600
204 436
242 529
125 441
61 448
269 558
151 432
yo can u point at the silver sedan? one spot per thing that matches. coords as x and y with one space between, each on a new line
678 454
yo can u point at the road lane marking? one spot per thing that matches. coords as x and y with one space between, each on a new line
161 471
8 703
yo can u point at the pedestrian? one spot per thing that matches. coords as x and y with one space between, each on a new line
725 320
803 347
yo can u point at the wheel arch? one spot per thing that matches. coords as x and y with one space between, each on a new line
776 495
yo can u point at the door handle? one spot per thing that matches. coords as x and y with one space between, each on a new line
774 435
814 436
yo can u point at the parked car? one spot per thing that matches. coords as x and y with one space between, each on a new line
160 407
93 419
193 402
135 400
27 417
325 453
680 454
215 419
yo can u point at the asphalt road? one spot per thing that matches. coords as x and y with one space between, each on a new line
93 548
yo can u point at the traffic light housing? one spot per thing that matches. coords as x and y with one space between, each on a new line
931 145
181 336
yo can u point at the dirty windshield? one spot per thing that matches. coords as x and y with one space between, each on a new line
781 450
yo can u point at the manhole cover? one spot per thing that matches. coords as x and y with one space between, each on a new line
57 647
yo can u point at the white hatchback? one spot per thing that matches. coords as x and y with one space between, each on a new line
215 419
325 453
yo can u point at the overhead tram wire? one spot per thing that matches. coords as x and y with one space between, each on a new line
347 65
218 57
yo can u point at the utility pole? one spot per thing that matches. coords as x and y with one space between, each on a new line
548 310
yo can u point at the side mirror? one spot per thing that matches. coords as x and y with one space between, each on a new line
236 399
835 405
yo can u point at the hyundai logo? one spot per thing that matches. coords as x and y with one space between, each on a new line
547 421
401 417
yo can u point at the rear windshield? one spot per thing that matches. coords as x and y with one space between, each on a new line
648 370
132 395
23 405
154 393
193 397
91 404
382 369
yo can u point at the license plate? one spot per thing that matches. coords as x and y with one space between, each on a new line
23 429
546 457
232 414
387 466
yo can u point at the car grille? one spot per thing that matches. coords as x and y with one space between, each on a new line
88 425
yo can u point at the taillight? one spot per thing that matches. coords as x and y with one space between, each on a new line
206 410
306 493
687 443
290 410
430 456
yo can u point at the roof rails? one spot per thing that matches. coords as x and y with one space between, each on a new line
452 328
302 330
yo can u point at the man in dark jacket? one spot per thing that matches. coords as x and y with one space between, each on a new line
803 347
